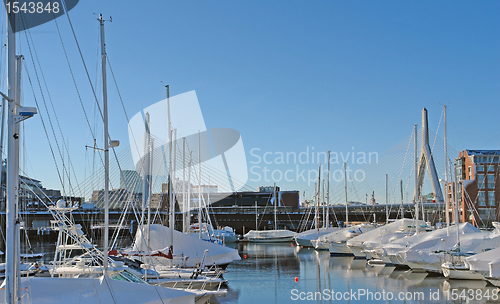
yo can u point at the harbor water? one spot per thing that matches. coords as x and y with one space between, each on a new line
285 273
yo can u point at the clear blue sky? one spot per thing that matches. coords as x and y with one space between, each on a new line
286 74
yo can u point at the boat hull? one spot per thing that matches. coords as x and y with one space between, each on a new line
339 249
271 240
460 272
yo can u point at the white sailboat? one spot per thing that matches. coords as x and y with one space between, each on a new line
382 234
479 263
306 238
270 236
336 242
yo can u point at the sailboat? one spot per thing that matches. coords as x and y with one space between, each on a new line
306 238
270 236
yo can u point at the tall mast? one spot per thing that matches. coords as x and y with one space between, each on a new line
146 166
150 187
328 194
318 198
256 218
402 207
199 185
12 169
106 148
345 190
446 198
455 198
275 207
417 191
188 215
184 213
386 200
323 202
171 199
17 130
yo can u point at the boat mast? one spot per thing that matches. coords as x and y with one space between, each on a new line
188 212
323 202
17 130
146 166
455 198
275 207
446 199
402 207
328 194
256 218
171 200
417 191
318 198
106 148
386 201
199 185
184 213
345 190
12 227
150 187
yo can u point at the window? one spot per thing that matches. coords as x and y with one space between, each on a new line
480 168
491 198
491 181
480 181
470 173
481 201
490 168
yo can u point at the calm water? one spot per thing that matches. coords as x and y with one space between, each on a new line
267 275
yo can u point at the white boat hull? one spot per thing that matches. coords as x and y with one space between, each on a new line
460 272
339 249
358 252
271 240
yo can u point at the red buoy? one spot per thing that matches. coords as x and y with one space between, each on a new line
245 256
296 279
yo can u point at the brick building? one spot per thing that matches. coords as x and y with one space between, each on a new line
479 189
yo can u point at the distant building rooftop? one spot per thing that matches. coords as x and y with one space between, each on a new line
483 152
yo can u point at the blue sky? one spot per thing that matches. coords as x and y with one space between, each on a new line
286 74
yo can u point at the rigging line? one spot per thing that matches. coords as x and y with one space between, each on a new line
76 85
83 61
121 101
45 105
66 148
45 129
88 77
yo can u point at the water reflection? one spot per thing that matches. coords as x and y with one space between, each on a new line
267 275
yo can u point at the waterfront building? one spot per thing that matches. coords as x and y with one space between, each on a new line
478 192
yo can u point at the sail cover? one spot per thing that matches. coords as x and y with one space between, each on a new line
189 247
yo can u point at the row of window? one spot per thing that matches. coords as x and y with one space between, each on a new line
481 198
489 168
487 159
489 183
